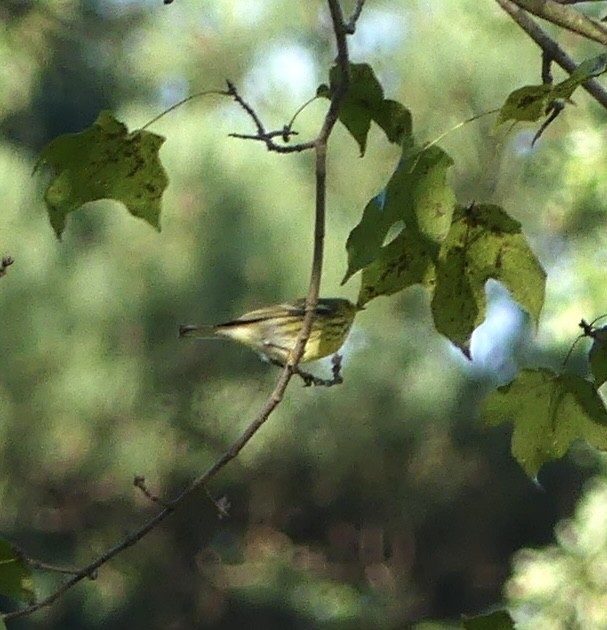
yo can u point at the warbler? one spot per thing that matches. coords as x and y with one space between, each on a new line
272 331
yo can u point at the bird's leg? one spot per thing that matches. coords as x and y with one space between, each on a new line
310 379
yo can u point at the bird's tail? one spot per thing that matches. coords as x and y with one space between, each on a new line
204 331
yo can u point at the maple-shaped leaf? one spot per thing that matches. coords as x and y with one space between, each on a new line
405 261
419 195
484 242
364 102
104 161
549 412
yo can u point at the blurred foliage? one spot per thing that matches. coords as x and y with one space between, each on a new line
16 579
380 503
565 585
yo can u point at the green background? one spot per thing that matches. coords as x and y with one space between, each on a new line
379 503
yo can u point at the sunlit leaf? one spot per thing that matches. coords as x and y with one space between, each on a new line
16 579
484 242
549 412
364 102
586 70
533 102
406 261
419 194
527 103
497 620
105 162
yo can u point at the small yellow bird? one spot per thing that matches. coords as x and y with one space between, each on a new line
272 331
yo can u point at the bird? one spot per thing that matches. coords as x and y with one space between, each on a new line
272 331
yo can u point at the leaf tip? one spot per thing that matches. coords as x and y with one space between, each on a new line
346 277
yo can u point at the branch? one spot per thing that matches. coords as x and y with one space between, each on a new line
266 136
576 1
320 146
551 48
566 17
351 24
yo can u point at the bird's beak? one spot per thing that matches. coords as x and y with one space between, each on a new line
187 330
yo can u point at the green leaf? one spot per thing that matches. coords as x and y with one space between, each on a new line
484 242
532 102
364 102
395 119
365 240
549 412
104 162
16 579
406 261
598 356
527 103
364 96
586 70
497 620
418 193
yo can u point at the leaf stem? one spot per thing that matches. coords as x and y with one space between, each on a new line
183 101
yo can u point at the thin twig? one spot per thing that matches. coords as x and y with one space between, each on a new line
320 146
588 330
283 133
139 482
549 46
351 23
51 568
547 78
270 134
262 134
566 17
